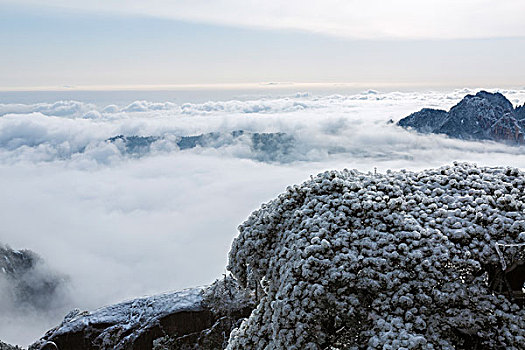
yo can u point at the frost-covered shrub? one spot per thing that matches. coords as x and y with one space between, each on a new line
226 297
402 260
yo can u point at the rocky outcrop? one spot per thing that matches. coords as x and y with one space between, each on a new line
483 116
4 346
198 318
26 281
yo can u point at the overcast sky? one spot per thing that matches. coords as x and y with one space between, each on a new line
57 43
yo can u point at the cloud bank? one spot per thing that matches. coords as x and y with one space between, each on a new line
404 19
123 225
322 127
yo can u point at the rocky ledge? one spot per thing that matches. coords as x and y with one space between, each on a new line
483 116
197 318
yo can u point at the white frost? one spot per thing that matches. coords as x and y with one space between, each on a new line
400 260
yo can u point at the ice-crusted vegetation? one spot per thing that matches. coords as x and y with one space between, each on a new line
4 346
402 260
225 296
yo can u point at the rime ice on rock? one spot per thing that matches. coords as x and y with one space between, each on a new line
401 260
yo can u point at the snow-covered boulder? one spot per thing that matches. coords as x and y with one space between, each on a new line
176 320
131 324
402 260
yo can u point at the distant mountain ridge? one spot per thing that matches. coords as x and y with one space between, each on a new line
483 116
265 146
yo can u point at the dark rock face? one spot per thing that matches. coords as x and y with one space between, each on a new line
212 337
484 116
15 263
520 113
427 120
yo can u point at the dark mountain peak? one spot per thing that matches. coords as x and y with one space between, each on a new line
483 116
493 96
486 99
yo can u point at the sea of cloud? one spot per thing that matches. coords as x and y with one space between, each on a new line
122 225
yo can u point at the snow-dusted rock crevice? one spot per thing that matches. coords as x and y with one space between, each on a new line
402 260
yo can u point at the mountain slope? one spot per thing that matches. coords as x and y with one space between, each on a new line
484 116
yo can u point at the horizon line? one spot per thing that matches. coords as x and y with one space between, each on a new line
253 85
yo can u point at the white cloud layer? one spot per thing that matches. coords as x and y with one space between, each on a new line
123 225
403 19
